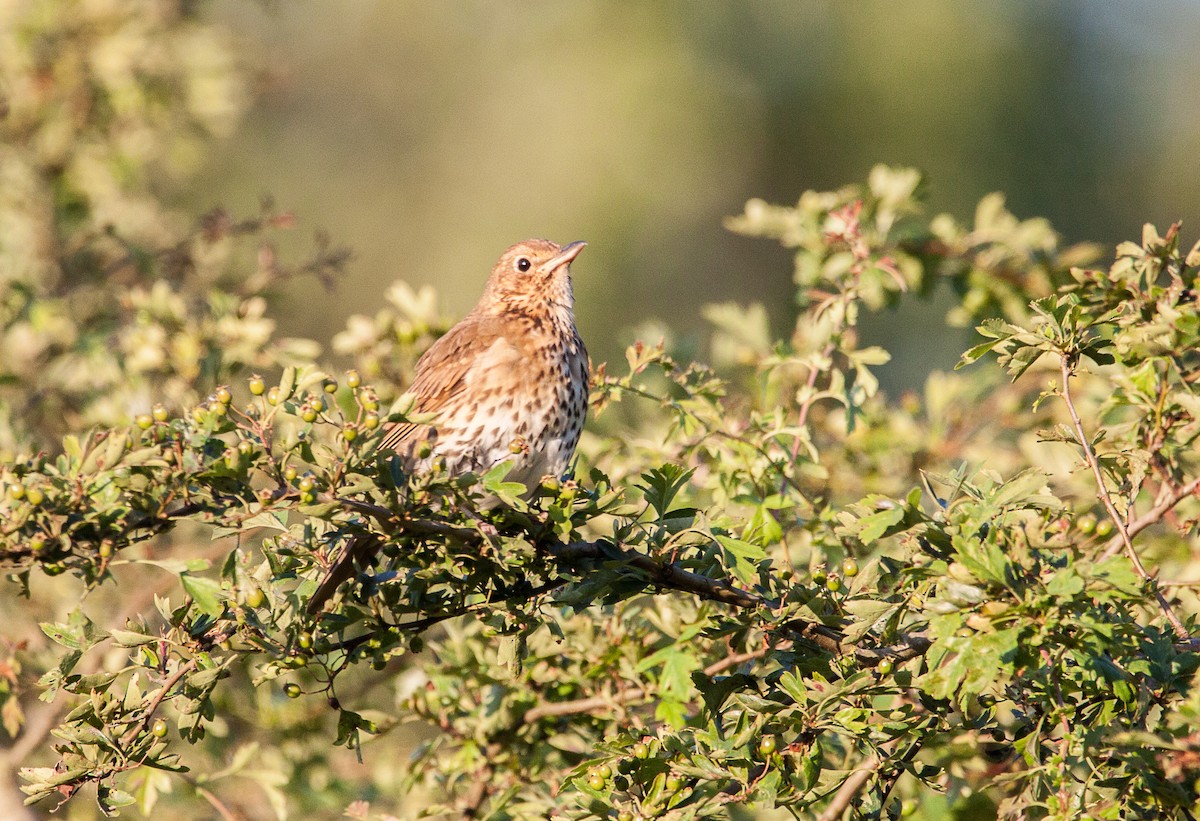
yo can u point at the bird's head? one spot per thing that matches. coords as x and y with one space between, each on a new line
530 274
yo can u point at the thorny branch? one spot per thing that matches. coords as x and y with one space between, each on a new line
1123 529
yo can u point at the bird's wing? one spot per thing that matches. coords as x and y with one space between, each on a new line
442 373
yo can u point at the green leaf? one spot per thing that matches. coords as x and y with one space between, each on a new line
745 557
206 593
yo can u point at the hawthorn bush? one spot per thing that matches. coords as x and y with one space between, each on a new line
767 588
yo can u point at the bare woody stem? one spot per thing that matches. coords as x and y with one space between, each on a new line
1154 515
850 788
1123 528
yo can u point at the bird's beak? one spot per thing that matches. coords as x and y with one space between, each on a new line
564 257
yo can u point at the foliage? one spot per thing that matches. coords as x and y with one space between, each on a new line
766 585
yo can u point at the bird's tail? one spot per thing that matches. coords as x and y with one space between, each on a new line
358 553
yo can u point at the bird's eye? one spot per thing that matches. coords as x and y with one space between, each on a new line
523 264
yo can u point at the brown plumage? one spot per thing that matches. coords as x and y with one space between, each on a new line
514 370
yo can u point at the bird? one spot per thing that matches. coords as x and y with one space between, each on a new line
508 382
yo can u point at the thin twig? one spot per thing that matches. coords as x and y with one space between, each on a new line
1123 529
1152 516
171 681
850 788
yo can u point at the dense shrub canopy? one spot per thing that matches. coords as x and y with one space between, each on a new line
765 586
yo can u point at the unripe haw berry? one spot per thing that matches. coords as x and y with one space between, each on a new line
767 745
223 395
371 421
159 730
159 412
144 421
257 386
849 567
353 380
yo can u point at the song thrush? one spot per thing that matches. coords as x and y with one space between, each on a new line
510 381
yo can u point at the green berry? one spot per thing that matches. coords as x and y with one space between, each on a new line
35 496
159 412
596 782
371 421
604 771
16 492
198 414
273 396
292 690
624 815
885 667
105 550
330 386
1104 528
37 545
245 447
370 402
257 386
353 379
306 484
144 421
308 413
767 745
255 597
674 784
223 395
318 404
849 567
819 576
159 729
1086 524
833 584
349 433
641 750
305 640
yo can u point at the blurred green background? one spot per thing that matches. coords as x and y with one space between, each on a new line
430 136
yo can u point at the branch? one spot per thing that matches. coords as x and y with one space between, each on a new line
664 574
1152 516
1123 530
171 681
850 788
